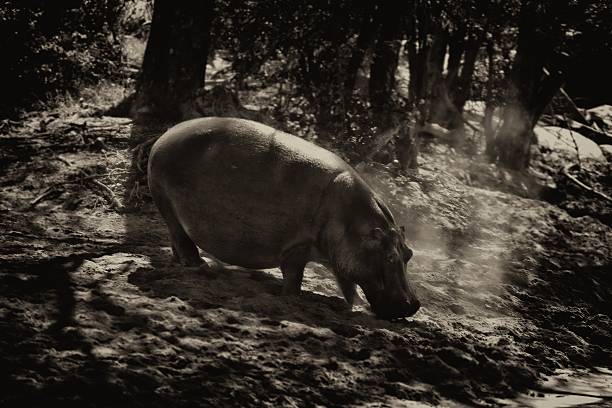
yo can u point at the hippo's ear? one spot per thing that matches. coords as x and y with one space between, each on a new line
407 253
373 239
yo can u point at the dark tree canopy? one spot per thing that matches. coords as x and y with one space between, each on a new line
349 69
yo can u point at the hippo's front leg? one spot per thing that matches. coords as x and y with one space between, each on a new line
292 266
349 290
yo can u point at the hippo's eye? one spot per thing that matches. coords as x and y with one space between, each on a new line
390 258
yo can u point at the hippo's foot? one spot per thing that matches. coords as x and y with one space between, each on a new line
184 249
292 267
190 259
292 281
290 288
210 271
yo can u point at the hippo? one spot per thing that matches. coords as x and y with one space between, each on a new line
256 197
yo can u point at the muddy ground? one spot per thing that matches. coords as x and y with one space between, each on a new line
94 312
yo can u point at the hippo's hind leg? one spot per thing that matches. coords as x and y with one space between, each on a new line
292 266
183 248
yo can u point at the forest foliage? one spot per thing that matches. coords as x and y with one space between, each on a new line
351 69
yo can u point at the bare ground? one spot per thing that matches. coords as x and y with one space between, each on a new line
94 312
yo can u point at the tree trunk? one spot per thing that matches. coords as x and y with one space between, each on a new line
174 64
426 48
514 138
365 40
461 92
415 70
408 148
489 131
548 88
456 47
529 92
433 90
386 54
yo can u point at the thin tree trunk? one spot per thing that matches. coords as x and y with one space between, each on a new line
414 68
408 147
367 34
426 59
456 47
433 90
464 81
489 131
385 59
514 138
174 64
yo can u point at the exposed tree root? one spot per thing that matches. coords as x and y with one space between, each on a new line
140 152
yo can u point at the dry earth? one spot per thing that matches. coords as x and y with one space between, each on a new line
94 312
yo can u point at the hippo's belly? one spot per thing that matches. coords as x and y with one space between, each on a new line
243 195
240 220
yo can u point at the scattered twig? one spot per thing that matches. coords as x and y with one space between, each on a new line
598 136
110 196
573 140
46 193
574 106
573 179
60 158
466 122
57 187
134 192
594 133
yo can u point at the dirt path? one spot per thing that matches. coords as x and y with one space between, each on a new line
94 311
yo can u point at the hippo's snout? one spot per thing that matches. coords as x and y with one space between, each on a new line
400 310
414 307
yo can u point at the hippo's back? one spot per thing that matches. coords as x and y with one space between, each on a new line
241 190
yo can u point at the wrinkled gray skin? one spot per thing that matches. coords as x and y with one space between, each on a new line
253 196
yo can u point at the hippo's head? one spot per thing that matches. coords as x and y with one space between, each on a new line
366 247
386 285
375 259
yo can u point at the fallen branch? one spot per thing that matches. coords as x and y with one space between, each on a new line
598 136
573 179
575 108
573 140
436 131
591 132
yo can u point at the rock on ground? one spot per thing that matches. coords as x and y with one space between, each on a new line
565 140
